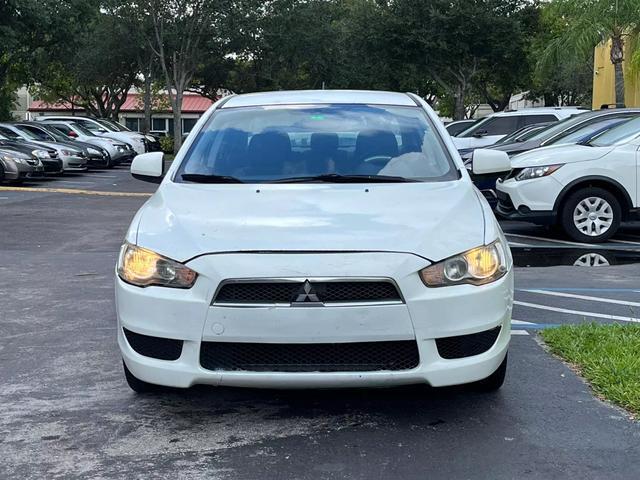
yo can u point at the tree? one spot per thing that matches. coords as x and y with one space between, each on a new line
460 44
591 22
180 28
94 71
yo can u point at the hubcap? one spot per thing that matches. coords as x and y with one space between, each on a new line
591 260
593 216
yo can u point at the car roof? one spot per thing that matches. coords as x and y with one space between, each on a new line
562 111
311 97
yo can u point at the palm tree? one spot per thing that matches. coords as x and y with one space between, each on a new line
590 22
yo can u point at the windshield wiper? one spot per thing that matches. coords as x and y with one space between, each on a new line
337 178
206 178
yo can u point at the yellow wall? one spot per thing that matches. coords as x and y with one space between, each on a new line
604 80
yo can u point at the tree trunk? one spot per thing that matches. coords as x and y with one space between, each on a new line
177 120
619 84
459 110
617 57
146 121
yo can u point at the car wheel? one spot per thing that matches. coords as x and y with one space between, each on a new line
1 173
591 215
494 381
109 162
137 385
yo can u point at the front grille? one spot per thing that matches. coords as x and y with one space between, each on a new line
154 347
313 357
467 345
261 292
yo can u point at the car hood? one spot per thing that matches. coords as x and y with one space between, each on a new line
432 220
60 146
558 154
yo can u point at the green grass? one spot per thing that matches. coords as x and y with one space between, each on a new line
608 356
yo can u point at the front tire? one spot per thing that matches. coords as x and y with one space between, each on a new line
137 385
591 215
494 381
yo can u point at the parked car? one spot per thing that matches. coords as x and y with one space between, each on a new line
16 165
118 151
581 133
289 232
51 163
492 128
523 133
564 131
102 129
73 158
588 189
96 155
459 126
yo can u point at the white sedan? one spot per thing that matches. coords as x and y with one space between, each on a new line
315 239
588 189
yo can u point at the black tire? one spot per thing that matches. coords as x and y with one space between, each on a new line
570 205
494 381
109 162
137 385
1 173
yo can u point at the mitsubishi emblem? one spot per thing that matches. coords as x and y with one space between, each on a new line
307 294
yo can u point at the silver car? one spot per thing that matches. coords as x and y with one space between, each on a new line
120 151
73 159
16 166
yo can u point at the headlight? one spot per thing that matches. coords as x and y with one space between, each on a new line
150 138
94 151
40 153
11 158
477 266
70 153
143 268
536 172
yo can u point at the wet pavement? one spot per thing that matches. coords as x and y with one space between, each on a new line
66 411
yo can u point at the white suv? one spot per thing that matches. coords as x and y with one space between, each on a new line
494 127
587 189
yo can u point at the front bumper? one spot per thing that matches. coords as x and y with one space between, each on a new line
426 314
74 164
528 200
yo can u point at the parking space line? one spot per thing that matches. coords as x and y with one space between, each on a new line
577 312
553 240
519 332
583 297
626 241
74 191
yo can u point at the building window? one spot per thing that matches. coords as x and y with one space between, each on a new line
132 123
159 124
188 124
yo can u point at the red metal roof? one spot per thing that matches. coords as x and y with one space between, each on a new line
191 103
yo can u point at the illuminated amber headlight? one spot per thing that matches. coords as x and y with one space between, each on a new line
477 266
144 268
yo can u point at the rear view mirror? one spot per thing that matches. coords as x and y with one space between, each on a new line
490 161
148 167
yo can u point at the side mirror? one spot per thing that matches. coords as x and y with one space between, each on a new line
480 134
490 161
148 167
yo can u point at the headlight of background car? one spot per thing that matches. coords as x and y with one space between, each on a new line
143 268
150 138
536 172
40 153
477 266
70 153
94 151
12 158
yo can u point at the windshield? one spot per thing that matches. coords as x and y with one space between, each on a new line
106 125
27 134
83 130
118 126
265 144
588 131
556 128
619 134
55 133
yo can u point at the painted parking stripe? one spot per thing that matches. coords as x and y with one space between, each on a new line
577 312
519 332
629 242
566 242
74 191
584 297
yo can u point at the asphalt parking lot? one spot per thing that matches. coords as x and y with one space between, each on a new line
66 411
